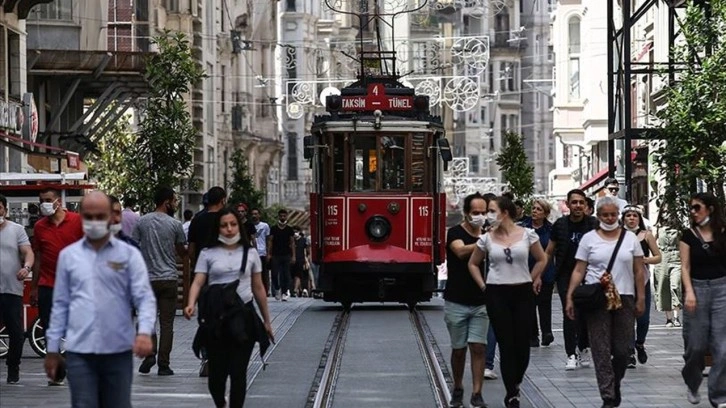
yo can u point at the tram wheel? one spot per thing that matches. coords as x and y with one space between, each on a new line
4 342
37 339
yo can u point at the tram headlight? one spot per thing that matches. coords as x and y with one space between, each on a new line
378 228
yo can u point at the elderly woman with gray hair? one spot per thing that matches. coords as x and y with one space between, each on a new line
609 259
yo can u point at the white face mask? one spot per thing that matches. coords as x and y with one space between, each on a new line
477 220
297 235
493 220
95 229
705 221
609 227
229 241
114 228
47 209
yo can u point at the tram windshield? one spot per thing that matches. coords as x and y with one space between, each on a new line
378 162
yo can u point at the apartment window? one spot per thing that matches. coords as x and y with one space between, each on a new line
483 114
12 56
536 47
209 99
573 51
292 156
223 80
502 126
536 101
61 10
210 166
474 164
514 123
172 6
550 53
290 5
550 150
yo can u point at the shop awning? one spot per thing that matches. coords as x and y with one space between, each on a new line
598 177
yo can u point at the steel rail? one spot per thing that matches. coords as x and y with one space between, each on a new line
436 376
324 390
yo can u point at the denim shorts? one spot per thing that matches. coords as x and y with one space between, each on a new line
466 324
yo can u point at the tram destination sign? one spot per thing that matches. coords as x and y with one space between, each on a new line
376 98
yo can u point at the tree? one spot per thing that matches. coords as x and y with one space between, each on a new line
692 149
515 167
242 187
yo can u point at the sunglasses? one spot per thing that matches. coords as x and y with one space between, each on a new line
508 254
613 189
696 207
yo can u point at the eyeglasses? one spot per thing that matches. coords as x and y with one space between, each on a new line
696 207
613 189
508 254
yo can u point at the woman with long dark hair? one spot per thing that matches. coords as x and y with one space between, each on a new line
633 221
222 264
510 288
703 268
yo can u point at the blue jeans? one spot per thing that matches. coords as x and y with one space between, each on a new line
491 347
100 380
643 322
705 329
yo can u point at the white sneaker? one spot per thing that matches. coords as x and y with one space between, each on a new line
490 374
572 363
722 405
693 397
305 293
285 297
585 358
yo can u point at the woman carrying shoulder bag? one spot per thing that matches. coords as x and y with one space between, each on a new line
703 268
610 259
221 267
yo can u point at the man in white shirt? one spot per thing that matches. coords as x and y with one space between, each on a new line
17 262
263 231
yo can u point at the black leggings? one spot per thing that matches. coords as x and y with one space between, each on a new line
228 360
510 311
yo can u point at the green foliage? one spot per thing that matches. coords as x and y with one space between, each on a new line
693 145
242 187
515 167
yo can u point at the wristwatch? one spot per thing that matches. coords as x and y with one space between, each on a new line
28 268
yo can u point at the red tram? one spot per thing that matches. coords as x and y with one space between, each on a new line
377 206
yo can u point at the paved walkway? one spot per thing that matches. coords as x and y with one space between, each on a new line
303 324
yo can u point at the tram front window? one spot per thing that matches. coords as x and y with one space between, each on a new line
365 159
393 164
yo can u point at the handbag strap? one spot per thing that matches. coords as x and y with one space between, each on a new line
615 251
244 261
706 247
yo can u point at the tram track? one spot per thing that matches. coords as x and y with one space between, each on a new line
323 389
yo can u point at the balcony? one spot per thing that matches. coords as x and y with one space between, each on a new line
511 40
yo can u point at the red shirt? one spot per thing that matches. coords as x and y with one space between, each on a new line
49 239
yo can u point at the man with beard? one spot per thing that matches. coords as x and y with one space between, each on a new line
159 234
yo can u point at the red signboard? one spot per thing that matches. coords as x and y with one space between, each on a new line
376 98
73 160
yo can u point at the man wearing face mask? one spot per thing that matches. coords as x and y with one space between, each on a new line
281 254
56 230
116 226
17 260
465 311
159 234
100 280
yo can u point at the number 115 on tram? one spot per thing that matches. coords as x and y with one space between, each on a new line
377 205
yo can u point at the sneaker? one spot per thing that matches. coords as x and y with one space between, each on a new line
534 342
52 383
278 296
693 397
669 323
572 363
457 398
512 402
721 405
204 369
145 367
165 371
305 293
631 361
285 297
13 375
489 374
642 355
547 339
584 358
477 401
677 322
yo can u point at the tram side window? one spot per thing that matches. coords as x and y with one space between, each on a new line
418 161
365 157
338 162
393 166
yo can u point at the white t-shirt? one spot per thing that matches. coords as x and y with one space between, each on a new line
597 251
223 266
502 272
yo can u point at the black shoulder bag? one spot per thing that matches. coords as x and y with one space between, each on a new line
591 296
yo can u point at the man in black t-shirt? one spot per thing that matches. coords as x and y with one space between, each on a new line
564 239
281 254
465 311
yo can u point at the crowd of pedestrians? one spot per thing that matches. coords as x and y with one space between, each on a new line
605 261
